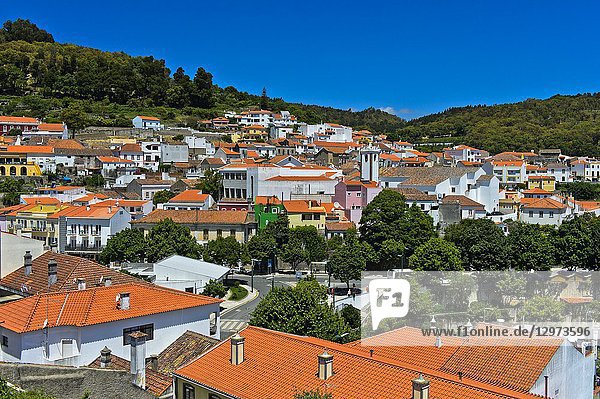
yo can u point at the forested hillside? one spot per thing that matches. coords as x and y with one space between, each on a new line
95 87
571 123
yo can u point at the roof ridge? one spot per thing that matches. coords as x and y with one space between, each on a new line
31 314
75 267
89 307
467 382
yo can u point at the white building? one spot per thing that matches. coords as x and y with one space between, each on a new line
544 211
71 328
171 153
199 146
146 122
466 153
280 132
587 169
181 273
12 248
55 130
152 153
133 153
61 193
262 117
188 200
332 132
85 230
146 188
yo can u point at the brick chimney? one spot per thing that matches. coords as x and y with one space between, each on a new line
52 272
420 388
138 358
237 349
105 358
325 366
28 262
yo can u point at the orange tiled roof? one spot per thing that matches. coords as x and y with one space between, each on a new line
278 365
304 206
51 127
541 178
59 188
95 306
130 147
508 163
536 190
195 217
113 160
40 200
125 203
30 149
66 143
94 212
462 200
149 118
190 196
264 200
588 205
18 119
543 203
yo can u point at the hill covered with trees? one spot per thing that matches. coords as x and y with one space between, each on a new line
92 87
571 123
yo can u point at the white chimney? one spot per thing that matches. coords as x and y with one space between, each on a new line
80 284
87 208
124 301
237 349
28 262
137 342
52 272
325 366
420 388
105 358
107 281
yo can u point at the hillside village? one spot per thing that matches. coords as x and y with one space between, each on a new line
142 325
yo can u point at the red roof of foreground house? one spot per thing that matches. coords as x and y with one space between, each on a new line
18 119
95 306
462 201
129 147
69 269
278 365
515 365
190 196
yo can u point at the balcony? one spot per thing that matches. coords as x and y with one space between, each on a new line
83 248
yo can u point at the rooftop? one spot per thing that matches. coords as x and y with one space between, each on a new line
190 196
195 216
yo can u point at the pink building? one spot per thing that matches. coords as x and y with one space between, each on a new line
354 196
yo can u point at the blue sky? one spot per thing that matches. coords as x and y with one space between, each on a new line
410 57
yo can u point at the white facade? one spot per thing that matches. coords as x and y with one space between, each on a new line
12 248
331 132
61 193
194 142
90 234
369 164
46 162
142 122
85 343
544 215
280 132
152 153
171 153
510 172
561 173
262 118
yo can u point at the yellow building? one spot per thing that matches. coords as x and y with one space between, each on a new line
547 183
12 164
36 220
311 213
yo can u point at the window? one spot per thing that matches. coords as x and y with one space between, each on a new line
188 392
551 214
232 233
67 348
189 289
453 189
530 214
219 233
205 234
147 329
359 194
541 214
4 340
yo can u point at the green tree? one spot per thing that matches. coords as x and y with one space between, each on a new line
23 29
169 238
577 241
391 255
162 196
305 244
301 310
351 315
350 259
436 255
203 89
212 183
223 251
481 243
542 309
279 230
75 117
262 247
93 181
128 245
530 247
215 289
388 217
264 100
11 190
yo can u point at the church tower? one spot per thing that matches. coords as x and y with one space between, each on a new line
369 164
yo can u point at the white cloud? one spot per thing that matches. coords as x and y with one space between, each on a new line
398 112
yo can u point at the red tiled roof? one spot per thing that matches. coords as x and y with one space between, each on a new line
462 200
190 196
69 269
30 149
195 216
66 143
508 163
95 306
113 160
149 118
18 119
278 365
541 178
543 203
40 200
130 147
51 127
264 200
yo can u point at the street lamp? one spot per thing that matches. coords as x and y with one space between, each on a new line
252 275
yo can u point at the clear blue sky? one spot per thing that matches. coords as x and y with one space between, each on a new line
415 57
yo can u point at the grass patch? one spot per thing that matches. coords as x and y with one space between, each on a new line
238 293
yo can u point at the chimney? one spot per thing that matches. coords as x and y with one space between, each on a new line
137 341
110 209
420 388
325 366
52 272
28 262
107 281
153 362
80 284
237 349
105 359
87 208
123 303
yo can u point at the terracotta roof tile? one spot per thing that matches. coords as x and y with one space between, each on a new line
190 196
193 216
18 119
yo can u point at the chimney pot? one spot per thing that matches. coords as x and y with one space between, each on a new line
87 208
52 272
28 262
124 301
325 366
137 342
237 349
107 281
153 362
80 284
420 387
105 358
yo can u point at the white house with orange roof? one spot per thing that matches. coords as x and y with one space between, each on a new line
466 153
510 172
71 328
332 132
85 230
544 211
41 155
146 122
586 169
55 130
261 117
189 200
61 193
22 123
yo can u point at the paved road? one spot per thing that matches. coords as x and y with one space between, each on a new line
238 318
